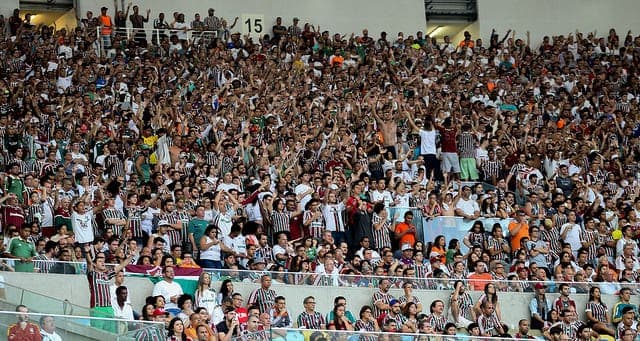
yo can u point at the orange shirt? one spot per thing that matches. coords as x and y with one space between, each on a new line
409 238
105 20
515 239
464 43
441 252
478 281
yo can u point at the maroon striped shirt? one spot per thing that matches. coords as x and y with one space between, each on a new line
99 288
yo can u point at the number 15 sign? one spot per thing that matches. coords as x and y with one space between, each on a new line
253 25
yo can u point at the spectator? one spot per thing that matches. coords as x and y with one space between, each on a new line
264 297
23 329
48 328
229 327
122 308
309 318
169 290
98 276
22 249
597 313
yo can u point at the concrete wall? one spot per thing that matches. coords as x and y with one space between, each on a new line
552 17
334 15
67 20
514 306
7 7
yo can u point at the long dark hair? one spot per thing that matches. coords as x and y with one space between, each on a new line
172 325
223 288
494 296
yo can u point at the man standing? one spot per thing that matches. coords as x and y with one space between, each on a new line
99 278
406 230
23 330
570 233
264 297
309 318
22 249
106 27
170 290
196 227
518 229
304 191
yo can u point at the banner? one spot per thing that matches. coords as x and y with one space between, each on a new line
187 278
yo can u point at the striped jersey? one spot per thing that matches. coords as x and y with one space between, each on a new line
99 283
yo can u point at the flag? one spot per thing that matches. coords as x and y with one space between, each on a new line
187 278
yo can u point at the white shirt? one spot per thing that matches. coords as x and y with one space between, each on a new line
427 142
237 244
301 188
333 217
573 236
125 313
384 196
468 206
82 226
207 299
49 337
167 290
227 187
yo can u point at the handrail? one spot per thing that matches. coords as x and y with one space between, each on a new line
64 304
274 333
156 34
80 317
363 281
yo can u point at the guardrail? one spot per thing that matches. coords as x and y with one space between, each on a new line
281 334
445 282
154 35
70 327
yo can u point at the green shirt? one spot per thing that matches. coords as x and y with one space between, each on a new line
22 249
197 227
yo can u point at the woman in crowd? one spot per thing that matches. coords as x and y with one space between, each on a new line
598 316
226 290
176 331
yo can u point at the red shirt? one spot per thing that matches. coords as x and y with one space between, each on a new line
449 143
31 332
243 315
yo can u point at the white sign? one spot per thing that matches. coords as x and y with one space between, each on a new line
253 25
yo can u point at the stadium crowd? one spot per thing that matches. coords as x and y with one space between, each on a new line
311 153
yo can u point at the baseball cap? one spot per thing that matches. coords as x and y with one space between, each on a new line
163 223
540 286
159 312
393 301
406 247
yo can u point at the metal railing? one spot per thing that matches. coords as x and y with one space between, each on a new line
70 327
445 282
154 35
299 334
